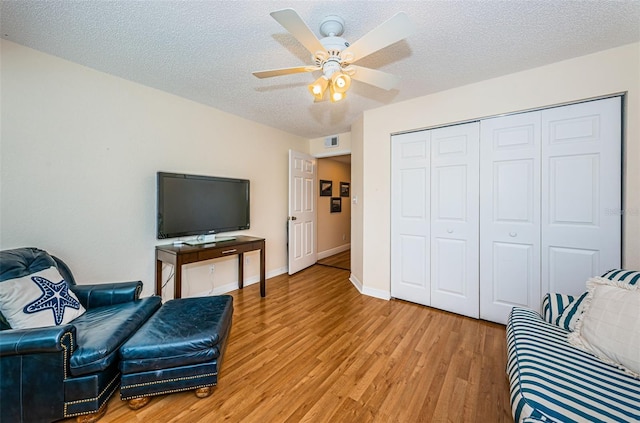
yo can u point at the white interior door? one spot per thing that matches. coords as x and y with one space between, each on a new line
581 179
302 211
509 215
454 218
410 215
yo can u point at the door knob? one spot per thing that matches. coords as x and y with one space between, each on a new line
293 218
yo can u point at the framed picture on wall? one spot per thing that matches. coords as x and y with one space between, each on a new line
344 189
336 204
326 188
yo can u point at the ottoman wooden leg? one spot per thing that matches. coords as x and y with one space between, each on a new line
203 392
93 417
138 403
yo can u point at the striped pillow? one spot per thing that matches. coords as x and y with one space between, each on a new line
567 320
630 277
553 304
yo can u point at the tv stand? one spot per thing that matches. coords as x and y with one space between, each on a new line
177 255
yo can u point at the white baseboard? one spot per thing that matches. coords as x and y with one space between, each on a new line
276 272
376 293
356 282
233 286
371 292
332 251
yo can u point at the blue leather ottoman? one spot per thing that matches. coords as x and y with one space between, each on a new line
178 349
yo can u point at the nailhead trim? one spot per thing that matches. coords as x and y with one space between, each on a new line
169 391
135 385
115 386
165 381
66 353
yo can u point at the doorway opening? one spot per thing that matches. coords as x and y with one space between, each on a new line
334 211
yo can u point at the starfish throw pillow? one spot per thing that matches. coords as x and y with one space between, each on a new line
38 300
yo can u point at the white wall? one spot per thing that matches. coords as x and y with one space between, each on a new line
612 71
79 153
317 148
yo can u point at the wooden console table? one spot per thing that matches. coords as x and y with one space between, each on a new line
177 255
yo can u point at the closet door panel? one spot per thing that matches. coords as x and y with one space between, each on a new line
509 214
511 262
410 216
454 219
581 202
569 268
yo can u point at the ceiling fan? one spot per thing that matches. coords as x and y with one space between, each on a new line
334 56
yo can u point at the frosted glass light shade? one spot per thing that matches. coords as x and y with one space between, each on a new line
318 88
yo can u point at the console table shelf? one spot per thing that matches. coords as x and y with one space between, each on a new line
177 255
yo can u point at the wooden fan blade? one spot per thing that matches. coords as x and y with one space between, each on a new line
285 71
293 23
374 77
387 33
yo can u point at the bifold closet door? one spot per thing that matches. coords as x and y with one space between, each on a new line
454 218
410 216
509 214
550 201
581 201
434 218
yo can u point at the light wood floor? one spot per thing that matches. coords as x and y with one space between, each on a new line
341 260
316 350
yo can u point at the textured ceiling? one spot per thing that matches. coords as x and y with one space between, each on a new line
206 50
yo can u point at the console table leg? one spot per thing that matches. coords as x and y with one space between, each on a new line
177 281
263 288
240 270
158 277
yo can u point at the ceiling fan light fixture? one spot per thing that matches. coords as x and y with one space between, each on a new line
336 95
335 56
318 88
340 82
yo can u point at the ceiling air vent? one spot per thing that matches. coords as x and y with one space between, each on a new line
331 142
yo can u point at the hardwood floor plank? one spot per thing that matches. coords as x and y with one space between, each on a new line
317 350
340 261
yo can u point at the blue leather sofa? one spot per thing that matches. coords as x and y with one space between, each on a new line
55 372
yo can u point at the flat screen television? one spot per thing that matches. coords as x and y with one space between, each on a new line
200 205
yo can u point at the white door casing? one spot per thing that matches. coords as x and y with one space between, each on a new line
410 215
302 211
454 218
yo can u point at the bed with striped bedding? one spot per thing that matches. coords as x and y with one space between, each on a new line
552 381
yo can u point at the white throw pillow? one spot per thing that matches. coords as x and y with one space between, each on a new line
38 300
609 326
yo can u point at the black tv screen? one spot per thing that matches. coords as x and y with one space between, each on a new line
200 205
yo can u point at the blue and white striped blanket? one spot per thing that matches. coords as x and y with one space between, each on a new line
552 381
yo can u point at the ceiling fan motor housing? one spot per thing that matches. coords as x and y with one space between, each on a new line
330 67
334 43
332 26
